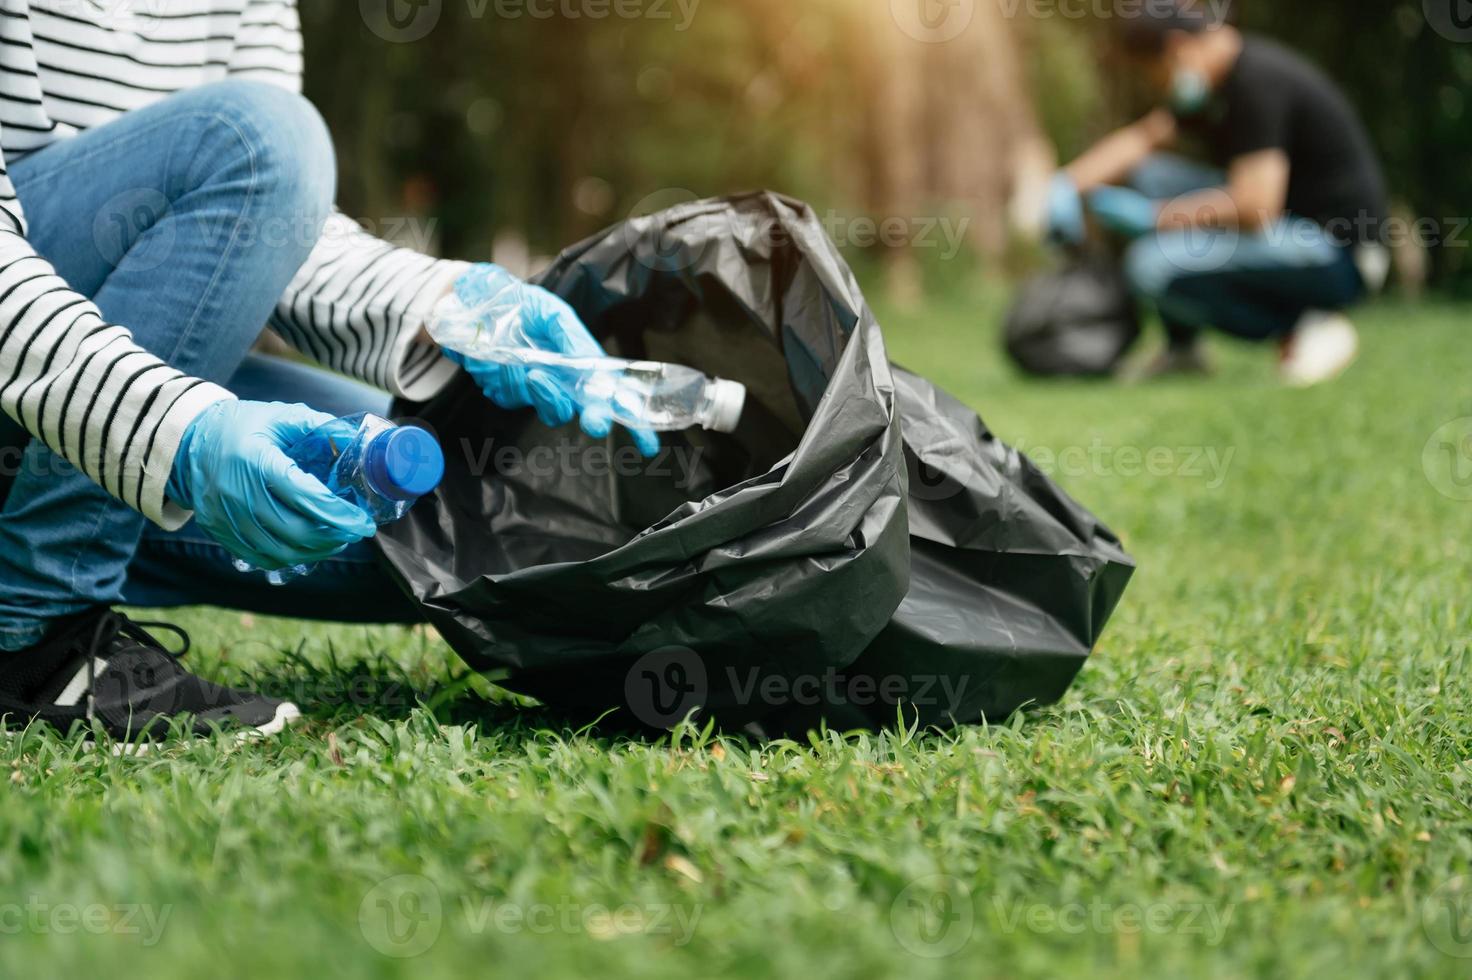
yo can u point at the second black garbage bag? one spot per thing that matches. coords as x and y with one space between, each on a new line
861 548
1079 320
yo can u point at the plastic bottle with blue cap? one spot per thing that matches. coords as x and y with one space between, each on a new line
384 468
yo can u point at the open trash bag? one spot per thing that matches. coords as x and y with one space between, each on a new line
1079 320
860 548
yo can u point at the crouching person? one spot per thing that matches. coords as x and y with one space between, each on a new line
143 248
1273 233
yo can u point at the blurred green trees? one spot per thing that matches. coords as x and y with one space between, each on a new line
555 127
552 118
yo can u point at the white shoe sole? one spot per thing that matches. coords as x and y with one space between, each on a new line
286 715
1305 380
1333 345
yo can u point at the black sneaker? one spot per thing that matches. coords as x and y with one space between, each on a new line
103 672
1188 360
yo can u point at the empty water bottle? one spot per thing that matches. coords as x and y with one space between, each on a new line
382 467
637 394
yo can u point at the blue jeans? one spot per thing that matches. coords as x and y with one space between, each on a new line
1252 285
184 221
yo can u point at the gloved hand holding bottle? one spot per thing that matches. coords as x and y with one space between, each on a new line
520 314
1065 222
233 472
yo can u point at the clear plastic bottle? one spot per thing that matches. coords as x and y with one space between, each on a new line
640 394
383 469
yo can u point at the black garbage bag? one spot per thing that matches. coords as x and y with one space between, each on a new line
763 576
1076 321
1011 583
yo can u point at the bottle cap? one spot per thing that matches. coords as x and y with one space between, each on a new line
727 399
404 463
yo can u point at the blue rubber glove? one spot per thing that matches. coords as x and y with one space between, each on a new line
1122 210
546 322
246 493
1065 211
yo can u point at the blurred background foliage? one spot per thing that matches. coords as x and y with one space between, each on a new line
500 128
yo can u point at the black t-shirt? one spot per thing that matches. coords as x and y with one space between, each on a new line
1276 100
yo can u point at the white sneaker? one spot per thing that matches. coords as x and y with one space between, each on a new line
1320 348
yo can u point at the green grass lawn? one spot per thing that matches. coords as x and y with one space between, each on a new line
1266 768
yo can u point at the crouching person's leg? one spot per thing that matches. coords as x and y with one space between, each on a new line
1153 264
1281 284
184 221
1162 177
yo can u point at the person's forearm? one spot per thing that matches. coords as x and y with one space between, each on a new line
1112 158
358 306
1218 207
82 385
1212 208
1254 197
424 336
1109 160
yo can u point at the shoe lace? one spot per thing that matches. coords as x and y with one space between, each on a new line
109 625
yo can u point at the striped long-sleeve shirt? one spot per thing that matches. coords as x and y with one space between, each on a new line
81 384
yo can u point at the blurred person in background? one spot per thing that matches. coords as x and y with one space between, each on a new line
1272 232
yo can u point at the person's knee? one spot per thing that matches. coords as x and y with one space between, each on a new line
274 143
